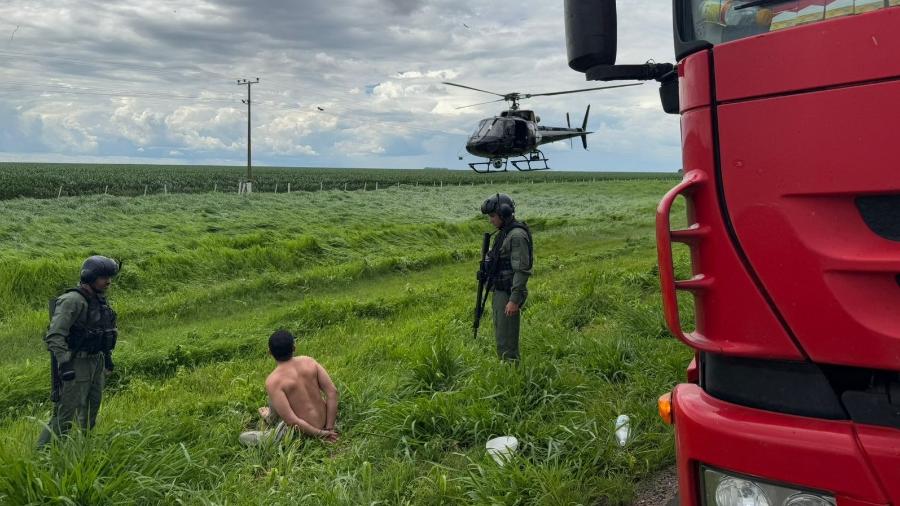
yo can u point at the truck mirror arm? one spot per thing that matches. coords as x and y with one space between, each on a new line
646 72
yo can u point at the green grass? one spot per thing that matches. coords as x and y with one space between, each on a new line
378 286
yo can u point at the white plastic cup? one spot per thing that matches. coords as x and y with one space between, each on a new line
502 448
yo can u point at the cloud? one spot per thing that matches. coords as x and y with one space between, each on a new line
404 7
154 77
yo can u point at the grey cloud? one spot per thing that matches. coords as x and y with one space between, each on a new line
404 7
313 53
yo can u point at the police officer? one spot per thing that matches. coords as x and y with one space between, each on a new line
512 249
80 339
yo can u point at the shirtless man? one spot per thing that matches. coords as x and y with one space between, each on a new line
295 391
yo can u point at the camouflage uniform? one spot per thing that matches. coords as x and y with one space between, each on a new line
82 333
515 256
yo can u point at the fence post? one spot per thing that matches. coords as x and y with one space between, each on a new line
345 186
276 187
59 194
165 189
376 185
106 190
321 185
364 185
289 187
215 187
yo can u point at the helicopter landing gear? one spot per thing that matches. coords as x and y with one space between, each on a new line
500 165
535 156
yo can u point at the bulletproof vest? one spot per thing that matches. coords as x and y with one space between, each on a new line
98 333
505 263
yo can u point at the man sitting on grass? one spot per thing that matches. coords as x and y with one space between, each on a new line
295 391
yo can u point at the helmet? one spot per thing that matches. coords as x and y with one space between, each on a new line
97 267
501 204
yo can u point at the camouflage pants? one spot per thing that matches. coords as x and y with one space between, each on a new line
78 399
506 328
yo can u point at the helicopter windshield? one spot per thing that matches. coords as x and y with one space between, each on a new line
483 128
494 127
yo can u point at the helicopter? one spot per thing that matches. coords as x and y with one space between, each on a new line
514 135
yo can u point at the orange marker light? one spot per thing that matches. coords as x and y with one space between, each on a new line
664 405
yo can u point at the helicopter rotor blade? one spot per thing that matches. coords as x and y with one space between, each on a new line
529 95
480 103
471 88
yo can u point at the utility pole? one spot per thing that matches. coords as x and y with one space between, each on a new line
244 82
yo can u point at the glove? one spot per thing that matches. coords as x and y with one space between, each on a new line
66 371
107 361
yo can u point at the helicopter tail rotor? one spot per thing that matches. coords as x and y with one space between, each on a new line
569 124
587 113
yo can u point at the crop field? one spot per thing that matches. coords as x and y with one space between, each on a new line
42 180
378 286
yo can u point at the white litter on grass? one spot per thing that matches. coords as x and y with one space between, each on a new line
623 429
501 449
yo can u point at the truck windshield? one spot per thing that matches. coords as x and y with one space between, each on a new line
718 21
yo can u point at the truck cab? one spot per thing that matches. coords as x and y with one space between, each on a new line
793 203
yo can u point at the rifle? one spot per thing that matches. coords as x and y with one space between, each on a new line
485 275
55 381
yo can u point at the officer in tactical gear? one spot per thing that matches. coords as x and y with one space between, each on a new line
511 256
81 337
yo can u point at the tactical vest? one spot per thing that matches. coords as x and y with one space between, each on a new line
504 265
99 333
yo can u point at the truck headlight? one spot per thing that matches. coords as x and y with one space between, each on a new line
721 488
738 492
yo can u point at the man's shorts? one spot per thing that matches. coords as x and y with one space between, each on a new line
257 437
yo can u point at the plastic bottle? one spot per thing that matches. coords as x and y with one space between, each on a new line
623 429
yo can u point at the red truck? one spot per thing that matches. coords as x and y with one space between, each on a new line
790 113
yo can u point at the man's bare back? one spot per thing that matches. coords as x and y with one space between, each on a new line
295 391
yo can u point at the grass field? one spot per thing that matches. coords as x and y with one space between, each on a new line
379 288
46 180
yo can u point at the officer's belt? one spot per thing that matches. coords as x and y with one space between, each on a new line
85 354
503 284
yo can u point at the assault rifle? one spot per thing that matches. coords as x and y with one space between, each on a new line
55 380
486 274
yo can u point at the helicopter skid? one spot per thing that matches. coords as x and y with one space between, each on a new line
536 156
485 167
502 165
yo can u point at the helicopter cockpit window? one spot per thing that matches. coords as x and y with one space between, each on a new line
483 128
495 127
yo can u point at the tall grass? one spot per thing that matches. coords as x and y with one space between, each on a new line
381 296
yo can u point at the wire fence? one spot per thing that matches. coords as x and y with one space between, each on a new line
57 181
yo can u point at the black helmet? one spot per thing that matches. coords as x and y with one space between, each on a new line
501 204
98 267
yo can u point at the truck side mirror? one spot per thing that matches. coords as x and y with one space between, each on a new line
590 33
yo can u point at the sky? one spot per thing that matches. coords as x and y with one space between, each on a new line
344 83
